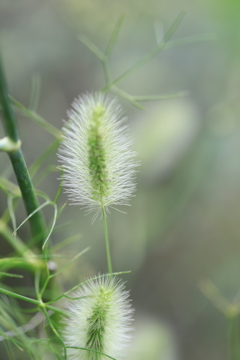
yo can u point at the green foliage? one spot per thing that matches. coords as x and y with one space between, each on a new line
111 85
20 325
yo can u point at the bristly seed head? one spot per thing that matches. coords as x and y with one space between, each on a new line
100 320
96 155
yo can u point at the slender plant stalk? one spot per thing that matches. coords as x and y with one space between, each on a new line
109 262
233 337
19 165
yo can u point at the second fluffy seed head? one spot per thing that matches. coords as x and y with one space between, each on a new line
99 321
96 154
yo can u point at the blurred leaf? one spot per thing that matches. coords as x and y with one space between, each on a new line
43 156
70 262
37 118
10 275
65 242
11 211
151 54
114 36
153 340
8 187
35 93
214 295
92 47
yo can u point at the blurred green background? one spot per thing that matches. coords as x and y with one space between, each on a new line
183 225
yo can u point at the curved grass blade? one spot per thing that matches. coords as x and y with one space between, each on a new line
29 216
52 226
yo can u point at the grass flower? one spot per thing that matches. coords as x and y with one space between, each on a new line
99 320
96 154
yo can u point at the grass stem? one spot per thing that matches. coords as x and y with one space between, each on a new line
19 165
109 262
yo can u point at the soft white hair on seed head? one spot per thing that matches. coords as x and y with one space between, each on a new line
99 319
96 154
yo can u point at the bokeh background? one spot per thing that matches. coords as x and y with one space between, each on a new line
183 226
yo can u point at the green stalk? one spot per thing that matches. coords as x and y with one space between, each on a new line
18 163
29 264
233 337
109 262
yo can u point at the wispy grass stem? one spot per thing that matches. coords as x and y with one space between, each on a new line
109 261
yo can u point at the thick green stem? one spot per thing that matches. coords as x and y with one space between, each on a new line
233 338
9 123
109 262
19 165
28 195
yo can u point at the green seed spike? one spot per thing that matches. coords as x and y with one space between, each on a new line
99 321
97 155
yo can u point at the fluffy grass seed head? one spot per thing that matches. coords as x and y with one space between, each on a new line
96 154
100 319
